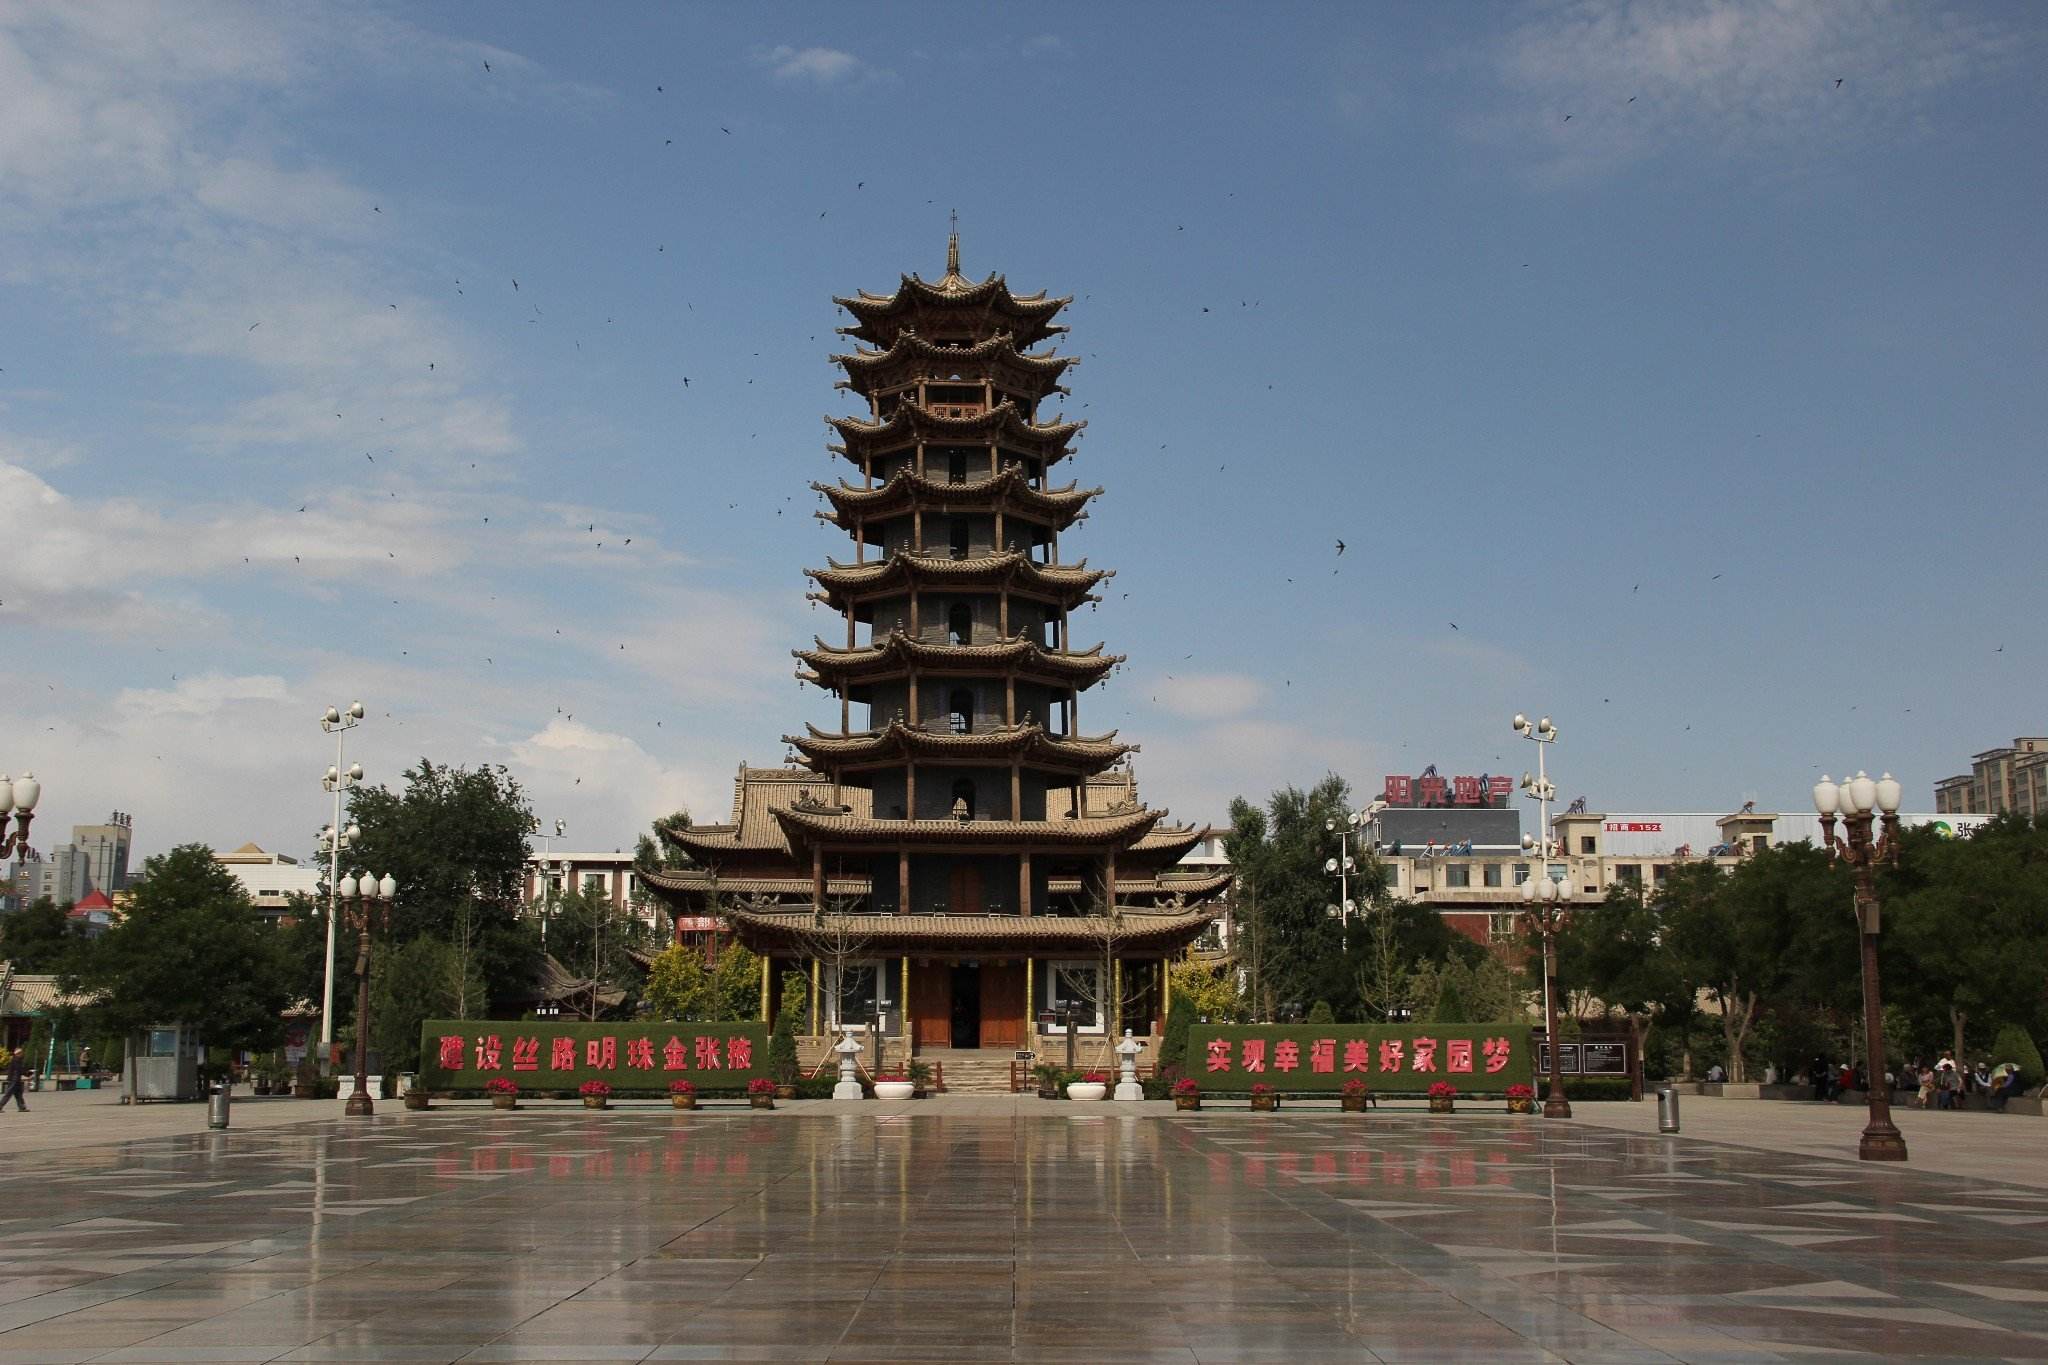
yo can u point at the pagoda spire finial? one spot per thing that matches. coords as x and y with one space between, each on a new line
953 245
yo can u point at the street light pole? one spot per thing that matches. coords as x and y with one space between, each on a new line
366 895
19 796
1546 898
339 778
1858 800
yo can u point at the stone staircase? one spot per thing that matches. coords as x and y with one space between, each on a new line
971 1073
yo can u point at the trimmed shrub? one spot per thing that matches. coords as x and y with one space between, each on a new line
2013 1045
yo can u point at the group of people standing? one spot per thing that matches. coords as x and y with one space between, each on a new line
1945 1085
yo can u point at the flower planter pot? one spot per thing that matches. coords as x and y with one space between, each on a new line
761 1101
893 1090
1087 1090
595 1101
416 1098
918 1092
1521 1106
1352 1104
785 1092
502 1102
1187 1101
1266 1103
303 1091
1440 1105
1047 1092
683 1101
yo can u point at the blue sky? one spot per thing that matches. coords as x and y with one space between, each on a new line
1711 414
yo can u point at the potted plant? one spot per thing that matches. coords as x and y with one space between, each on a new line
306 1080
682 1094
761 1093
920 1079
1355 1096
1441 1093
416 1097
596 1094
1093 1085
503 1091
783 1065
1265 1097
1048 1077
1521 1099
893 1085
1186 1094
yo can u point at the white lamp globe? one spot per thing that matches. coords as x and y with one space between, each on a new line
6 794
330 716
1521 722
1888 794
27 791
1827 797
1529 889
346 887
388 887
1866 793
355 710
1329 864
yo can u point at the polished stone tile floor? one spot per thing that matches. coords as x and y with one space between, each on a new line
1073 1237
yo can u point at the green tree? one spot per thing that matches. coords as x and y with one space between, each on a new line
592 937
1296 947
1180 1017
1210 991
38 937
789 1022
455 840
411 984
2014 1045
736 985
678 987
1970 916
655 854
191 950
1618 952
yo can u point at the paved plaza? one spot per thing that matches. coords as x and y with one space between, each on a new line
997 1231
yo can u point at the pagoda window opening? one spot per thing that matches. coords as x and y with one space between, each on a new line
960 716
960 624
961 533
956 466
963 798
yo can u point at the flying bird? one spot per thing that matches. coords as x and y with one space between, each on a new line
1454 626
254 325
1838 82
1340 547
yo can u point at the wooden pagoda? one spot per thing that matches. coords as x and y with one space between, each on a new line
959 827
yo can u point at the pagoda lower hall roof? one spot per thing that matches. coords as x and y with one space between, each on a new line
808 822
1009 491
1066 584
897 742
1133 931
911 419
898 652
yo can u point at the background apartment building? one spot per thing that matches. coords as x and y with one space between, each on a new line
2010 780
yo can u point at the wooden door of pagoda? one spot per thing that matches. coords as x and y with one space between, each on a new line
963 889
931 1004
1002 1004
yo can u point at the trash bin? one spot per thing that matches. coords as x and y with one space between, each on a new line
1667 1108
217 1106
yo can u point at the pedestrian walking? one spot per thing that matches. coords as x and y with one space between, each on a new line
17 1063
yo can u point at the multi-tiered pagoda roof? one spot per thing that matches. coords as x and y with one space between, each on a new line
958 781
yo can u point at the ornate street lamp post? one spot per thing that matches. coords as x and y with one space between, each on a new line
339 778
364 896
1547 900
1858 800
19 796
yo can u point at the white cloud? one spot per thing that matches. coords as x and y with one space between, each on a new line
1208 696
206 695
818 65
1588 88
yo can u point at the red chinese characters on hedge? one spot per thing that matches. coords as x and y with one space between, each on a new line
601 1054
488 1053
739 1053
526 1054
1496 1050
1286 1055
1219 1053
640 1053
1253 1055
1424 1056
451 1052
1458 1054
561 1054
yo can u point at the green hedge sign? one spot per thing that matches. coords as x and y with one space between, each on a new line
1477 1058
463 1054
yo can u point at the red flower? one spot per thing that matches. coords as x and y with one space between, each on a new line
1521 1092
681 1088
1262 1089
760 1085
1096 1078
599 1089
1354 1087
1442 1090
1185 1088
498 1085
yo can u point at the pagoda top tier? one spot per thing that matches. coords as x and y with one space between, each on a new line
952 310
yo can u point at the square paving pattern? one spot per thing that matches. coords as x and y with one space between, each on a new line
655 1235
